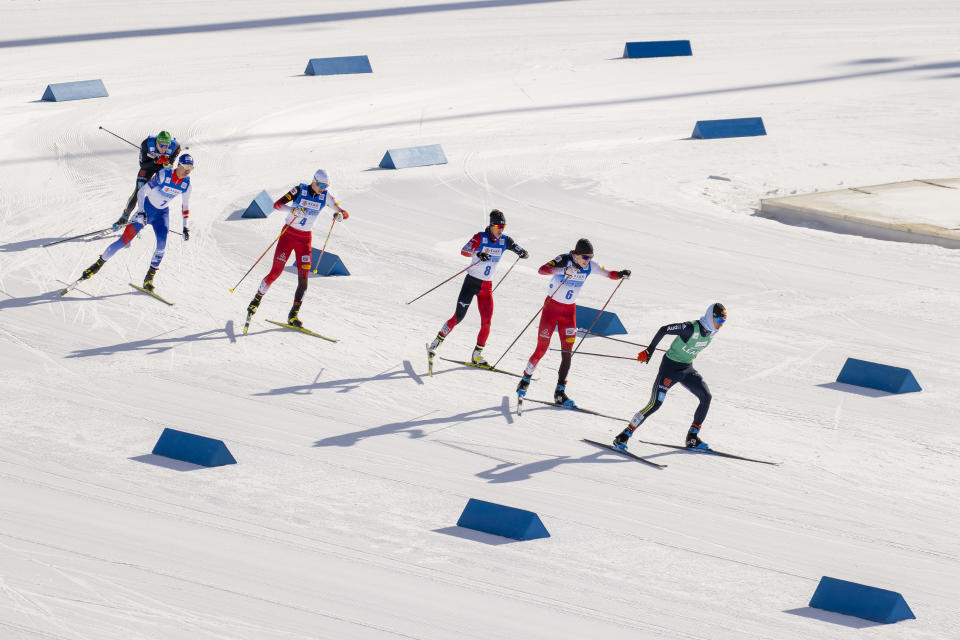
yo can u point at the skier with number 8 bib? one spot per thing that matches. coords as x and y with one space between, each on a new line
569 271
677 368
305 202
486 248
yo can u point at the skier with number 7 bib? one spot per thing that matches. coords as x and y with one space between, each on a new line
486 249
305 202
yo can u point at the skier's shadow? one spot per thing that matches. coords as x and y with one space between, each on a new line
413 428
512 472
49 298
157 345
345 385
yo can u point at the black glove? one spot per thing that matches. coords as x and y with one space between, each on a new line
186 233
483 257
523 253
623 273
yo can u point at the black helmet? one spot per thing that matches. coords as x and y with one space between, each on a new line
497 217
584 247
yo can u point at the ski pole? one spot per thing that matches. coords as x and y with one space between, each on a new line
445 281
529 323
82 235
284 230
322 251
635 344
602 355
506 274
121 137
598 316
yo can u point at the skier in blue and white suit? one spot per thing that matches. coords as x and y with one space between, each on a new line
153 199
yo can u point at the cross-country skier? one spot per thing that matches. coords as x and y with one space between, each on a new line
156 152
486 249
152 201
305 203
569 272
677 368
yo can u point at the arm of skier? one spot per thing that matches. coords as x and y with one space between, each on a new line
286 199
517 249
613 275
185 210
682 329
473 244
555 266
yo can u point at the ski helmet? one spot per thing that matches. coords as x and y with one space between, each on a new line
584 247
497 217
186 159
321 178
164 138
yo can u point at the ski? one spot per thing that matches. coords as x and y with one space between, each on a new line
476 366
519 405
301 330
576 408
151 293
246 325
626 453
429 361
722 454
70 286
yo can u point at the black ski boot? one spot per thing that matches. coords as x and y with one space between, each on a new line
693 438
148 279
292 318
92 269
560 396
523 385
620 442
254 304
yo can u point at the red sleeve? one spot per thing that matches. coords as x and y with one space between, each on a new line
547 269
472 245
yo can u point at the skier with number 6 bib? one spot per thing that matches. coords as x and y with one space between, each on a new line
486 249
677 368
569 271
306 202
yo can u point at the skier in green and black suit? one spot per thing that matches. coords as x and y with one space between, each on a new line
677 368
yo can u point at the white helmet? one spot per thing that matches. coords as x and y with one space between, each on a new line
320 177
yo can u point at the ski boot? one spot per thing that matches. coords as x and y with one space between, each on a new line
560 396
477 358
523 385
693 438
292 318
92 269
254 304
620 442
148 279
432 351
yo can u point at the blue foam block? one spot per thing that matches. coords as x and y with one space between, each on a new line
657 49
413 157
878 376
502 521
188 447
853 599
338 66
729 128
260 207
329 265
607 325
80 90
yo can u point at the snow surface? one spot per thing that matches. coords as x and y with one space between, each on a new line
338 521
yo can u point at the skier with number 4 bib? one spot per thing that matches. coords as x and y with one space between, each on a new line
569 271
677 368
306 202
486 248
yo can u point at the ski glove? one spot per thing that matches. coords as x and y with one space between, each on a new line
523 253
644 356
139 218
571 270
186 233
624 273
338 216
483 257
120 223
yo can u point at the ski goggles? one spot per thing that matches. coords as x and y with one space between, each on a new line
720 319
585 256
322 185
498 226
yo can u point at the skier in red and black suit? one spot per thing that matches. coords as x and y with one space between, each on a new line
305 202
569 272
486 247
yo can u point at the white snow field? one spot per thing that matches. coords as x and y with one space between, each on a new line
339 520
